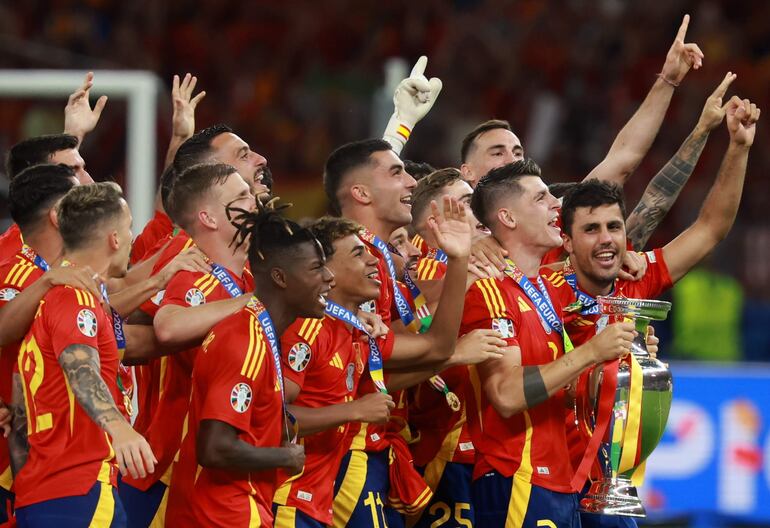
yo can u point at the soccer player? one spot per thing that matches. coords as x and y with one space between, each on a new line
69 437
594 235
238 428
194 301
326 353
27 276
516 403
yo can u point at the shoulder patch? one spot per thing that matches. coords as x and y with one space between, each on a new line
240 397
87 323
8 294
651 257
299 356
369 307
504 327
194 297
158 297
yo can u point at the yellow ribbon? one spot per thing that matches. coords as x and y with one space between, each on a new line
634 418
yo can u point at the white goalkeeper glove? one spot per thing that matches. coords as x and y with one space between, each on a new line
413 99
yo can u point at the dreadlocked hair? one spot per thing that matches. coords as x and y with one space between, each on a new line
267 231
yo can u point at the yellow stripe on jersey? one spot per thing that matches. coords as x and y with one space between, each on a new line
210 286
521 482
71 400
12 271
282 493
159 521
347 497
285 516
199 283
105 508
6 479
250 348
20 282
259 357
492 297
254 520
17 271
308 326
188 244
557 279
523 306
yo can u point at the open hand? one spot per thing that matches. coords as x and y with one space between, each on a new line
79 118
451 228
183 121
478 346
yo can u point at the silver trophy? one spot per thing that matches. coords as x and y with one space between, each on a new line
640 412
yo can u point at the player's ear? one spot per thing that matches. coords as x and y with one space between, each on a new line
466 172
114 240
279 277
53 217
361 194
206 219
506 218
567 242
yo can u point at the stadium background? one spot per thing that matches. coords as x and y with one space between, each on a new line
297 79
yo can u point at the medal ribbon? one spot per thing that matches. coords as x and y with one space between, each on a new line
268 328
540 298
437 254
404 312
120 340
226 280
336 311
36 259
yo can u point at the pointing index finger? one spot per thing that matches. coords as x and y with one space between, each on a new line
419 67
724 85
683 28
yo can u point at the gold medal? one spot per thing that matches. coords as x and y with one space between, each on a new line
128 404
453 401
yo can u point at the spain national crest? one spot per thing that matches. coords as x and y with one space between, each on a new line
87 323
240 397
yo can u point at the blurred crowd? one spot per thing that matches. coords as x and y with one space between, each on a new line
298 79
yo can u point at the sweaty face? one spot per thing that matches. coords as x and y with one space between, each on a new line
119 262
408 254
355 271
309 280
72 159
536 213
491 150
233 192
390 187
229 148
597 243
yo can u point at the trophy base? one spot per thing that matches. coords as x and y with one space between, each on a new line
613 497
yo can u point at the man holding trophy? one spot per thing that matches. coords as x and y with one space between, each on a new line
595 238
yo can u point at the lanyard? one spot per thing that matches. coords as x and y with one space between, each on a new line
404 312
266 322
117 322
226 280
36 259
542 301
375 356
588 305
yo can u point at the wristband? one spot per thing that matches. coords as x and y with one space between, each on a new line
663 77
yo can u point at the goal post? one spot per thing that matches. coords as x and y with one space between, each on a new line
138 88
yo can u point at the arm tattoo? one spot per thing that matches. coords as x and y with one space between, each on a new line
535 392
81 366
663 190
18 444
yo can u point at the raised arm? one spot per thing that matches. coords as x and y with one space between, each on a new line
436 345
412 100
665 186
183 120
512 388
718 211
79 118
636 137
81 367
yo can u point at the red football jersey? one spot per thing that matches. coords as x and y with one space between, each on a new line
326 359
150 378
167 425
234 381
581 327
10 242
158 228
530 445
16 274
68 452
430 268
420 244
